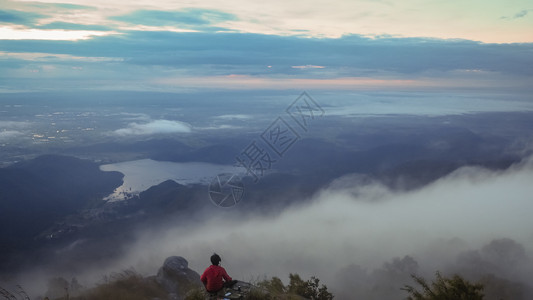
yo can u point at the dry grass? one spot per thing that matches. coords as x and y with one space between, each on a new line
127 285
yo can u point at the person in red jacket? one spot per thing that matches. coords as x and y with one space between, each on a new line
215 277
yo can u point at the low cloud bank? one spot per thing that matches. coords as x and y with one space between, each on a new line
12 129
6 135
360 225
154 127
364 240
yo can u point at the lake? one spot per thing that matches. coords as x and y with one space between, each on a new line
140 175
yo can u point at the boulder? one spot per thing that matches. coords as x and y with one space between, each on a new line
176 277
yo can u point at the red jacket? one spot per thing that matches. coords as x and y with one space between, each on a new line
212 278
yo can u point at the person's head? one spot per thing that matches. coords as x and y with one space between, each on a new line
215 259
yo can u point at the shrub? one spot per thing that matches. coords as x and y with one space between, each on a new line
297 289
274 286
309 289
443 288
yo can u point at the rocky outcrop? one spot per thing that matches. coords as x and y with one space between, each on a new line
176 277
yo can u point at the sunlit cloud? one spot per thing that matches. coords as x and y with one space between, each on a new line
205 45
251 82
142 28
317 18
8 33
308 67
245 82
38 56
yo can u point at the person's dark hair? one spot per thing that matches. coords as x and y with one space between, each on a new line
215 259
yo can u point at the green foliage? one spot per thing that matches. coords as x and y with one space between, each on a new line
297 289
443 288
309 289
129 285
274 286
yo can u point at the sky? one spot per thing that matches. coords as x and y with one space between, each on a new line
338 45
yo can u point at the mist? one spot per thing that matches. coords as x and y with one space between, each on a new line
359 225
359 237
154 127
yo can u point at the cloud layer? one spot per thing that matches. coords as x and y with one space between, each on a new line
6 135
154 127
169 61
410 18
348 45
359 225
10 130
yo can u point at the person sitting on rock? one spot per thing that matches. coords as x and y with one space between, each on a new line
215 277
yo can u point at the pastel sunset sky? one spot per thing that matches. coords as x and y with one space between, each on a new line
165 45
